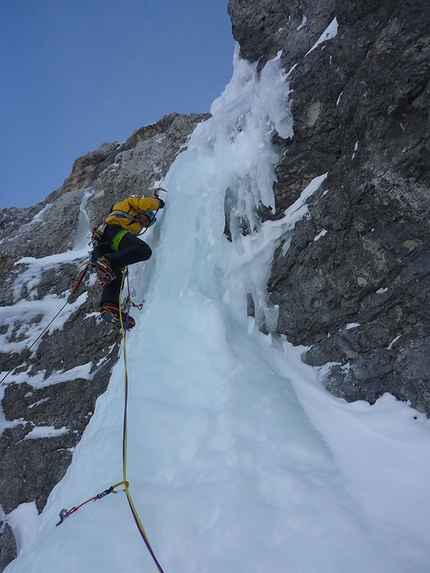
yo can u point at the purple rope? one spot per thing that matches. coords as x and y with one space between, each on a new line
145 539
128 305
124 450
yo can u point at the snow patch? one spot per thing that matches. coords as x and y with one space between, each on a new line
320 234
45 432
329 33
22 521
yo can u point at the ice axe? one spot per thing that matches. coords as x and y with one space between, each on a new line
157 190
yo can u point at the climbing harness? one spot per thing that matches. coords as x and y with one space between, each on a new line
117 239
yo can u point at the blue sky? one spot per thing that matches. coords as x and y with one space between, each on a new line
77 74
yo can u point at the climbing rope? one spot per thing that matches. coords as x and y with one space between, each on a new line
133 509
64 513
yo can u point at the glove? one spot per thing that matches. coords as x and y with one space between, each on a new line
161 203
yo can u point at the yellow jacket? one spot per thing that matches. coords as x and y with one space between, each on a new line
131 207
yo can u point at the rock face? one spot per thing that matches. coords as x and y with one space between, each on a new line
354 284
34 404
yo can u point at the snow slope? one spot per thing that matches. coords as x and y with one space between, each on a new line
238 458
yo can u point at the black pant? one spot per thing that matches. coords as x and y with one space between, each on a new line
131 250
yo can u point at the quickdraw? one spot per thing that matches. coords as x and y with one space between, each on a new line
96 234
128 302
65 513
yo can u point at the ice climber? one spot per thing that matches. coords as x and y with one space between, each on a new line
118 246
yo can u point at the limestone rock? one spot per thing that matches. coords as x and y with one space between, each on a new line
7 546
353 286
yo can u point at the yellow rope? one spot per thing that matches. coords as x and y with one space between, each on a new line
66 513
125 437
